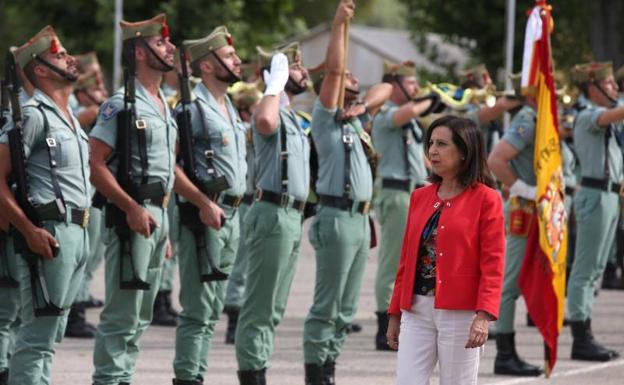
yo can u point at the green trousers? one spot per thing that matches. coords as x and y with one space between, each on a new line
170 265
9 303
514 254
127 313
274 242
96 252
31 361
392 210
236 282
597 215
341 240
202 302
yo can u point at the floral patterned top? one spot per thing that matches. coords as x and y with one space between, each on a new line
426 265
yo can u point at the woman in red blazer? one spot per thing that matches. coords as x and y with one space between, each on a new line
450 276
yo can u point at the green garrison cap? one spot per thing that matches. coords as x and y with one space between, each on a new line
407 68
197 49
87 80
292 52
619 74
317 73
477 74
43 41
86 60
146 28
589 72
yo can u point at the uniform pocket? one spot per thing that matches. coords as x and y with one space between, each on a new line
68 150
585 202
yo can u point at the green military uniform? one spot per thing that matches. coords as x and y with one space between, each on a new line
401 168
340 236
521 136
202 302
275 224
49 138
596 210
569 174
127 313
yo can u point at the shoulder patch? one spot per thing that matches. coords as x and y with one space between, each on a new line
107 111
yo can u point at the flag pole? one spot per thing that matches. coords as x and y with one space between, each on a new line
117 52
341 95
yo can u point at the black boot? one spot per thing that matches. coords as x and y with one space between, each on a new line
93 302
230 333
252 377
4 377
161 316
507 360
313 374
610 280
381 343
185 382
329 373
77 325
585 347
354 327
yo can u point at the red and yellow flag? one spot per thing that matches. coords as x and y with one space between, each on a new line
542 278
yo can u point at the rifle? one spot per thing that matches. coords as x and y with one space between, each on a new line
115 217
22 196
189 215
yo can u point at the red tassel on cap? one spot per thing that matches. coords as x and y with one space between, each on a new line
164 32
229 39
54 46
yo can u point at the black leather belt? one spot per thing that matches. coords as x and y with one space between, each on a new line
153 193
232 200
76 216
345 204
396 184
248 199
280 200
569 190
600 184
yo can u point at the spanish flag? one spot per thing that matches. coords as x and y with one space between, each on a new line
542 278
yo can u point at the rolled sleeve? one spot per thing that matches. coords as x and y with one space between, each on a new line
105 128
589 119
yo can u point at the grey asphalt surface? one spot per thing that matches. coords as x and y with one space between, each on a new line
359 364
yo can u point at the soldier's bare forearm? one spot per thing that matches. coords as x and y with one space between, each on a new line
187 189
107 185
8 204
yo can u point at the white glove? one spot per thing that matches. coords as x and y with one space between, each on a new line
523 190
278 77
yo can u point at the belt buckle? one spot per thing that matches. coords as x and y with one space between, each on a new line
237 201
366 207
165 201
284 200
258 195
85 219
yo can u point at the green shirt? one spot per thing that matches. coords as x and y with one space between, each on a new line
390 145
327 135
160 133
250 158
569 164
226 137
268 159
72 158
521 135
589 140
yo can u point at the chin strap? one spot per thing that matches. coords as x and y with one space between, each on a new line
233 76
397 81
603 92
66 75
167 66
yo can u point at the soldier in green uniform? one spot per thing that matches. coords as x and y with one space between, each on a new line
246 98
128 305
597 202
219 153
275 220
511 161
57 167
398 141
340 233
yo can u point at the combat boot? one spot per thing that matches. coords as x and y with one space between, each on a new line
93 302
507 360
252 377
4 377
329 373
313 374
585 347
161 316
354 327
185 382
610 280
381 343
230 333
77 325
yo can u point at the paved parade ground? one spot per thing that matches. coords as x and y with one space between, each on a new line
359 364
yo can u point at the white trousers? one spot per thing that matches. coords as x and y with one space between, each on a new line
430 335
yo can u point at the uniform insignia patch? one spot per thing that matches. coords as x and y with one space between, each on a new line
107 111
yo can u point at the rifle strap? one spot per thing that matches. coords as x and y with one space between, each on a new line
141 127
409 129
347 141
284 156
209 153
51 145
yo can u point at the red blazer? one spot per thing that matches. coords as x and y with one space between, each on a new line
470 250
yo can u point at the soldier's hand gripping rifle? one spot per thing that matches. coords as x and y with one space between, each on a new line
189 214
42 304
115 217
